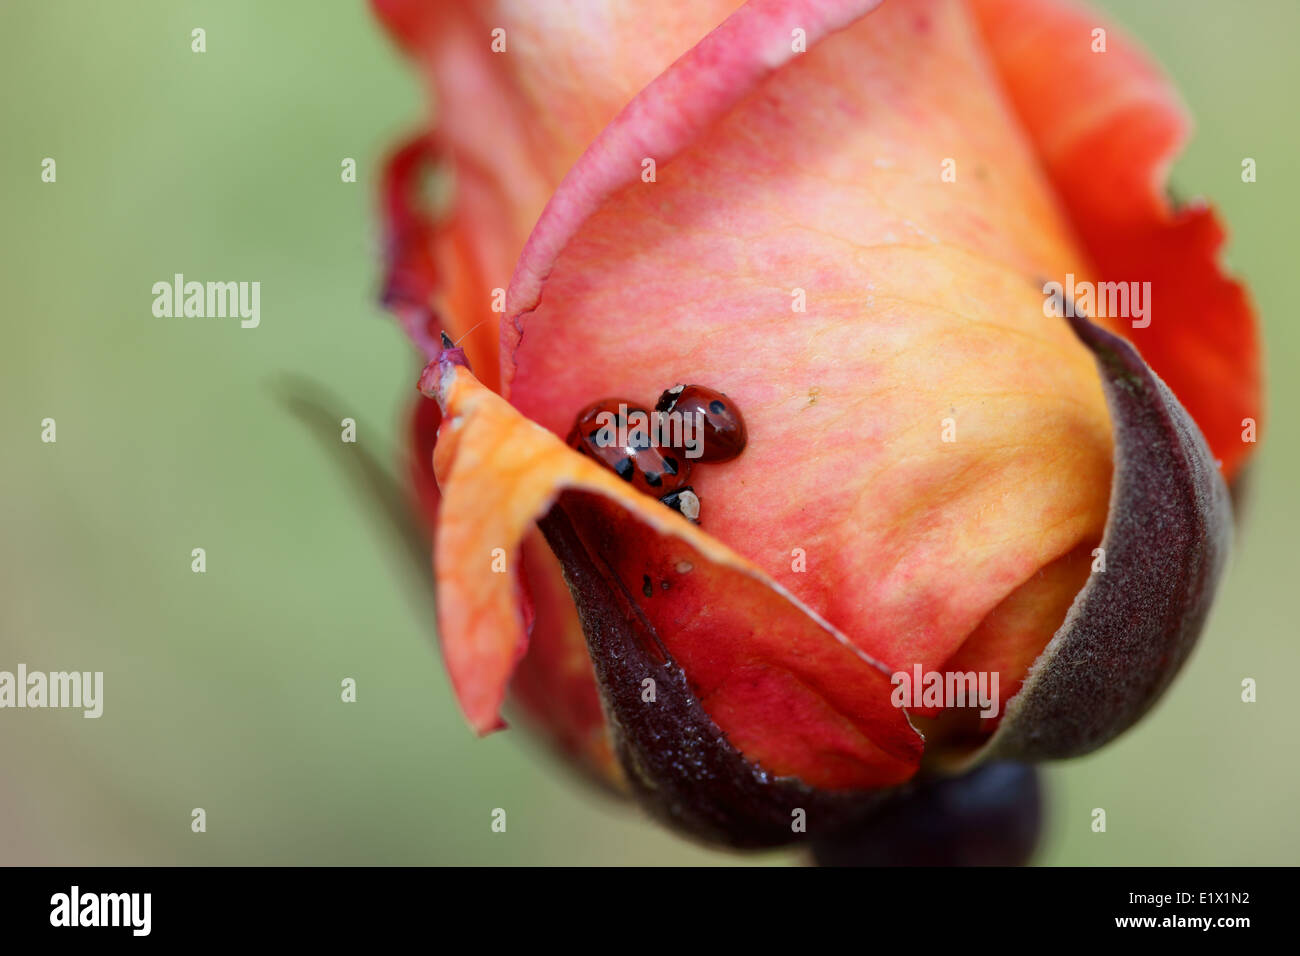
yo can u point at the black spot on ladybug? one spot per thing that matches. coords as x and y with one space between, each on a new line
624 469
653 479
717 407
646 587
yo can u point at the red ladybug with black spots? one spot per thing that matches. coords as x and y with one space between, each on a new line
618 434
723 434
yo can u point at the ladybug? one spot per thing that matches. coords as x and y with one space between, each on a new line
617 434
722 428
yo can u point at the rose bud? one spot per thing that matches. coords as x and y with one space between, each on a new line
894 236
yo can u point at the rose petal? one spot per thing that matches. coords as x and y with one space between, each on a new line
667 116
924 304
1107 127
681 765
423 430
1007 642
510 124
732 627
435 280
526 114
554 682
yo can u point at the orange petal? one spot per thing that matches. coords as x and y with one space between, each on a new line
511 124
1007 642
435 278
554 683
423 433
924 313
566 70
736 632
1107 127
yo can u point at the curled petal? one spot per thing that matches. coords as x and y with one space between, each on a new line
412 274
1167 538
679 763
665 117
820 173
793 694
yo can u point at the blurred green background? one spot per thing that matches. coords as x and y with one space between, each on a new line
222 689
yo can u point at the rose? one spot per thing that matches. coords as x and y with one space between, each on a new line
846 216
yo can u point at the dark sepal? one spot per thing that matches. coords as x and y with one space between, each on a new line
1166 541
680 765
991 816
